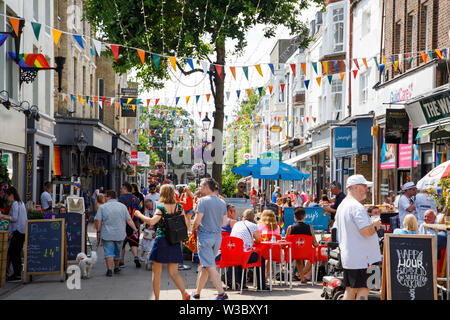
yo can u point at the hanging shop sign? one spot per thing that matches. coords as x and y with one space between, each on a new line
436 107
397 124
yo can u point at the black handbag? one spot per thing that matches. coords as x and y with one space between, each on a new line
176 229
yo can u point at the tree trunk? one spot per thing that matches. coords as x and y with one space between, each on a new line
219 104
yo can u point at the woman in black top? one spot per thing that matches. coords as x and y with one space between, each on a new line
302 228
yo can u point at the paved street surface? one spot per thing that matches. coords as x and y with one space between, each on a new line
136 284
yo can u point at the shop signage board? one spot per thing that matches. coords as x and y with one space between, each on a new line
343 137
129 91
387 156
397 124
317 218
436 107
75 233
45 248
127 109
404 153
134 157
409 267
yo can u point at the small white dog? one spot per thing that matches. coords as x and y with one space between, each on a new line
85 263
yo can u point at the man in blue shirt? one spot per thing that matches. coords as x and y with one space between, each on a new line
336 189
274 195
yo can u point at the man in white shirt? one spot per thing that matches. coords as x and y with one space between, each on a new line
46 197
406 203
429 218
424 202
358 240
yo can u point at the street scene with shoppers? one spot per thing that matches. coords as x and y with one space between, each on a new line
224 150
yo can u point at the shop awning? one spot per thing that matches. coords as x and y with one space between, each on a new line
306 155
426 130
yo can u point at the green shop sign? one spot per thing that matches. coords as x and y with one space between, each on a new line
436 107
271 155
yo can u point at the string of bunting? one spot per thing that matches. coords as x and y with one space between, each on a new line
393 60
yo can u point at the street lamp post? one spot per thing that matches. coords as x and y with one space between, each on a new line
206 124
81 144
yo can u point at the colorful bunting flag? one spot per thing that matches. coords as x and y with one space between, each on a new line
260 89
245 69
196 98
307 84
258 68
319 80
156 59
98 46
228 95
3 38
336 66
187 99
382 66
342 74
376 62
282 85
325 66
365 62
271 68
36 29
354 73
208 95
141 54
238 93
219 70
233 72
115 51
205 66
190 62
330 78
314 64
293 66
173 62
56 35
424 56
79 39
303 66
15 23
270 89
176 100
156 101
249 92
355 61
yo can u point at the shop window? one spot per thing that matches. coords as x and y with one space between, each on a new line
338 29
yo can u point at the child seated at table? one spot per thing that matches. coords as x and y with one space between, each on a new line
302 228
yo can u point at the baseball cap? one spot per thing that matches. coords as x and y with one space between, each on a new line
408 185
358 179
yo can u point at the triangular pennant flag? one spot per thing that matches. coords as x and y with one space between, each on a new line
314 64
271 68
354 73
424 56
156 101
196 99
238 92
36 29
384 61
148 102
325 66
342 74
365 62
396 65
245 69
156 59
191 63
15 23
176 100
439 53
258 68
208 95
205 66
330 78
376 62
108 103
79 40
336 66
141 54
95 99
3 38
233 72
382 66
303 66
56 35
187 99
260 89
444 53
129 100
307 84
173 62
92 49
293 66
91 103
355 61
249 92
98 46
270 89
282 85
228 95
115 51
319 80
430 53
219 70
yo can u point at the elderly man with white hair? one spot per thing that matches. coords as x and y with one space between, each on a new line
358 240
429 217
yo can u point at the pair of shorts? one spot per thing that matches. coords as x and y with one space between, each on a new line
208 245
132 240
112 249
356 278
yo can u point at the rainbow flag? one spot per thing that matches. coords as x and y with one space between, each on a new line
282 225
77 185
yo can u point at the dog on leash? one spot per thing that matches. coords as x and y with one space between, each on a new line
85 263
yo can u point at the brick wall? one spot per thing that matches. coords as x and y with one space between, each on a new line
400 14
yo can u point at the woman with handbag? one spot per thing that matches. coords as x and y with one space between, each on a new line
167 245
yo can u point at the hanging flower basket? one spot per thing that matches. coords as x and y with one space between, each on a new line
198 169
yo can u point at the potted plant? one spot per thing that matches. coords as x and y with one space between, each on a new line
5 183
442 198
103 171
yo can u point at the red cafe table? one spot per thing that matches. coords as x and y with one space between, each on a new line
264 245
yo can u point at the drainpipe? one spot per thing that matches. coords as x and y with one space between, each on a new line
352 3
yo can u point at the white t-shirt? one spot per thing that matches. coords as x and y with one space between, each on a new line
424 202
403 203
45 198
357 251
241 230
154 197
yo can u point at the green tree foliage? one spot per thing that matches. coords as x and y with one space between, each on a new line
195 29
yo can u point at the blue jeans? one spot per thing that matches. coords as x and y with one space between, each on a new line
112 249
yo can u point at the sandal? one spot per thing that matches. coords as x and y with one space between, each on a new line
186 296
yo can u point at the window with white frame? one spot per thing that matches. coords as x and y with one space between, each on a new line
338 29
364 87
365 23
336 99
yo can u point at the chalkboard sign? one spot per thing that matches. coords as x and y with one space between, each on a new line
409 267
44 247
75 233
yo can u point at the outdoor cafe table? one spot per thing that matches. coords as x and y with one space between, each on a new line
269 244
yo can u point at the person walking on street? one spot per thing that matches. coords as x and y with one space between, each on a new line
132 204
357 237
336 189
94 199
46 197
211 216
187 200
110 222
162 252
18 219
406 202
